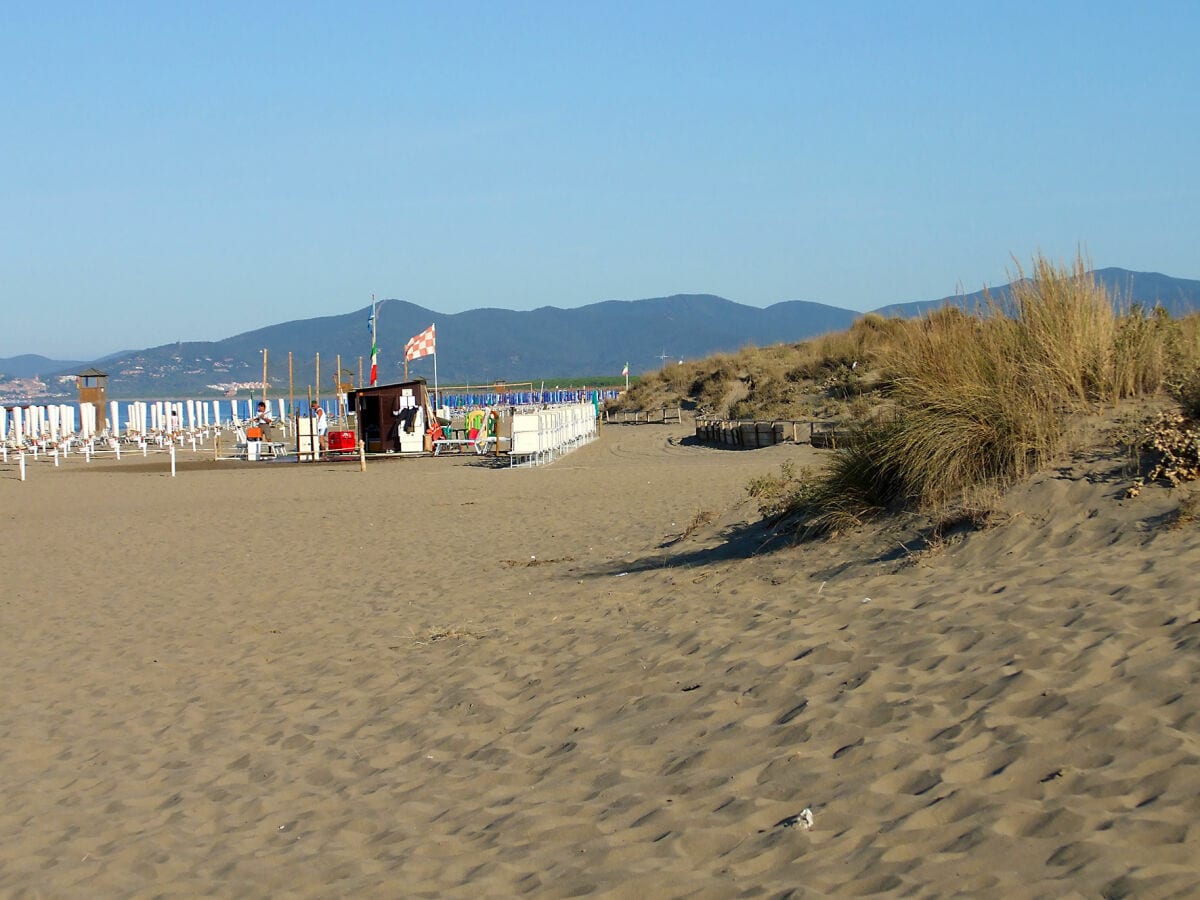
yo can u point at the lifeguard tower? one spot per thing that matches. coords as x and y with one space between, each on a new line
93 388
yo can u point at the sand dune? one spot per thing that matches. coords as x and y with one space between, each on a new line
438 678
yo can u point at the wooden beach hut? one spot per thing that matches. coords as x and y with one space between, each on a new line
392 418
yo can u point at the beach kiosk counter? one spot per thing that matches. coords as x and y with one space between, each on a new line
392 418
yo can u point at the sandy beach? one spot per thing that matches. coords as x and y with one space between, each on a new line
440 678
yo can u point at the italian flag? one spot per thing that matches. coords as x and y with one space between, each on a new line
374 346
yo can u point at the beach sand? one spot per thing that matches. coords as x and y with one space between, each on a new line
443 679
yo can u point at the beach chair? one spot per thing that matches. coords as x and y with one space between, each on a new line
526 445
241 445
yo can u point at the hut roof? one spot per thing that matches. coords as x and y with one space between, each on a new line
91 373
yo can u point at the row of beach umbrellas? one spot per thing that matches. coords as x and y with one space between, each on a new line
56 422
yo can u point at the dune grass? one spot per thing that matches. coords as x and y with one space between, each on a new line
982 399
1183 379
821 376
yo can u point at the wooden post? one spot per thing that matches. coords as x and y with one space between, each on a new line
291 388
264 383
360 382
318 382
312 447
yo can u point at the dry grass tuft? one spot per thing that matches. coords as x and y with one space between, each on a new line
777 493
450 633
702 519
534 561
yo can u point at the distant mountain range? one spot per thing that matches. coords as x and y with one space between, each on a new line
30 364
480 346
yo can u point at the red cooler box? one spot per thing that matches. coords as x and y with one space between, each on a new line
341 442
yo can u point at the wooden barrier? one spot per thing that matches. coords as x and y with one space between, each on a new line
751 434
658 415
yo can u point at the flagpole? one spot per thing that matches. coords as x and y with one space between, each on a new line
435 383
374 344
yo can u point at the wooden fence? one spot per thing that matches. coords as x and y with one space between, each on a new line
658 415
739 433
748 434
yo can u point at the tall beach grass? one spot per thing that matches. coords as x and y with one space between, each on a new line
983 398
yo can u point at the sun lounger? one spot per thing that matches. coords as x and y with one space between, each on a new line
479 445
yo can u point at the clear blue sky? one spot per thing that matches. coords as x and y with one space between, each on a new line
174 171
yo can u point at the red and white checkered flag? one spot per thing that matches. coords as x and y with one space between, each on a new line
421 345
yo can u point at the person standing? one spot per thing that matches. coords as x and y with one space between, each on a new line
263 420
321 425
